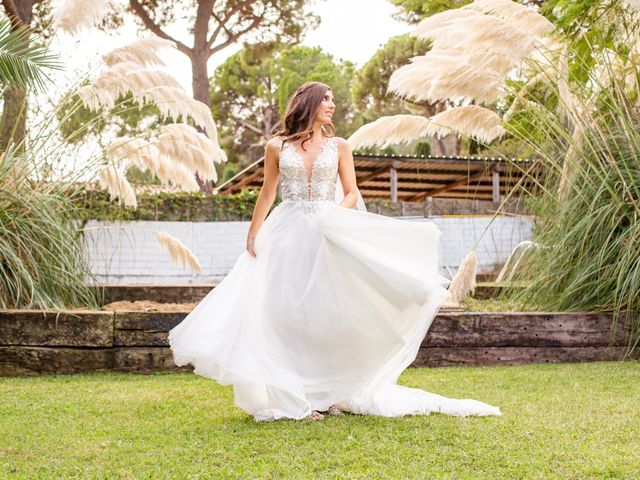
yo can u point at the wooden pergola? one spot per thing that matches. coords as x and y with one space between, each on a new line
414 179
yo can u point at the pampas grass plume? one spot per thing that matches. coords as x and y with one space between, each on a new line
178 251
141 52
389 130
470 120
118 186
464 281
75 15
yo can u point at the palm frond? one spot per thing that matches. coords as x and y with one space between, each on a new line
22 61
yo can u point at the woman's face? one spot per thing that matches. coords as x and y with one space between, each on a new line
326 109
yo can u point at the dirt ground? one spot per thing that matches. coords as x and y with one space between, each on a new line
149 306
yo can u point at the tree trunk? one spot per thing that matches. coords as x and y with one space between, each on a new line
441 148
199 56
200 84
457 146
13 124
271 121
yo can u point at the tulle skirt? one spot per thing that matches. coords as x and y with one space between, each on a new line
331 310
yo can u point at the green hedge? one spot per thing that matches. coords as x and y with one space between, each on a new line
186 206
171 206
183 206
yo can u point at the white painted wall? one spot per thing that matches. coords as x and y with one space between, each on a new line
128 253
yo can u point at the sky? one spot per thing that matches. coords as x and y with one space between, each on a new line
355 29
344 32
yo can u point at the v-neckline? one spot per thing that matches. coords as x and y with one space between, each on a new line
309 174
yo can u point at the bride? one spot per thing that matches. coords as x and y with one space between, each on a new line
329 303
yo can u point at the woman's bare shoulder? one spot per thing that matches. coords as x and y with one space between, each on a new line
274 143
341 142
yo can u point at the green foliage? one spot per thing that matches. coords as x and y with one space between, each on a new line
412 11
228 171
590 241
589 28
285 21
41 259
127 118
369 90
422 148
304 64
170 206
42 264
138 176
388 150
250 89
587 230
577 18
189 206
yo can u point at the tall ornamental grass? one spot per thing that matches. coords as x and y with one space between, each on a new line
586 251
42 263
41 260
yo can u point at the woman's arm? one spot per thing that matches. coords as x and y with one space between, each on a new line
267 192
347 174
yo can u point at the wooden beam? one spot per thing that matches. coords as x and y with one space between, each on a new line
462 180
358 158
496 185
371 175
237 186
229 185
393 183
415 178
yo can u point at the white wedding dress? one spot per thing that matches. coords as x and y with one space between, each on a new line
331 310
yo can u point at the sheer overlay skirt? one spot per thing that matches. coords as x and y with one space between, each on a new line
331 310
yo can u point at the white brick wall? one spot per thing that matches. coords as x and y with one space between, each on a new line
128 253
459 235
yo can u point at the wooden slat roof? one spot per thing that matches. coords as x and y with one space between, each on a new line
417 176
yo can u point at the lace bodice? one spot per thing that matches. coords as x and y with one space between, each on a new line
294 179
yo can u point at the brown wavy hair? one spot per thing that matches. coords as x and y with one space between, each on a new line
301 112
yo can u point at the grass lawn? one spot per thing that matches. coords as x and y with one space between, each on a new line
568 421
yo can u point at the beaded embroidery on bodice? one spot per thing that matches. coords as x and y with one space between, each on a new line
294 179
